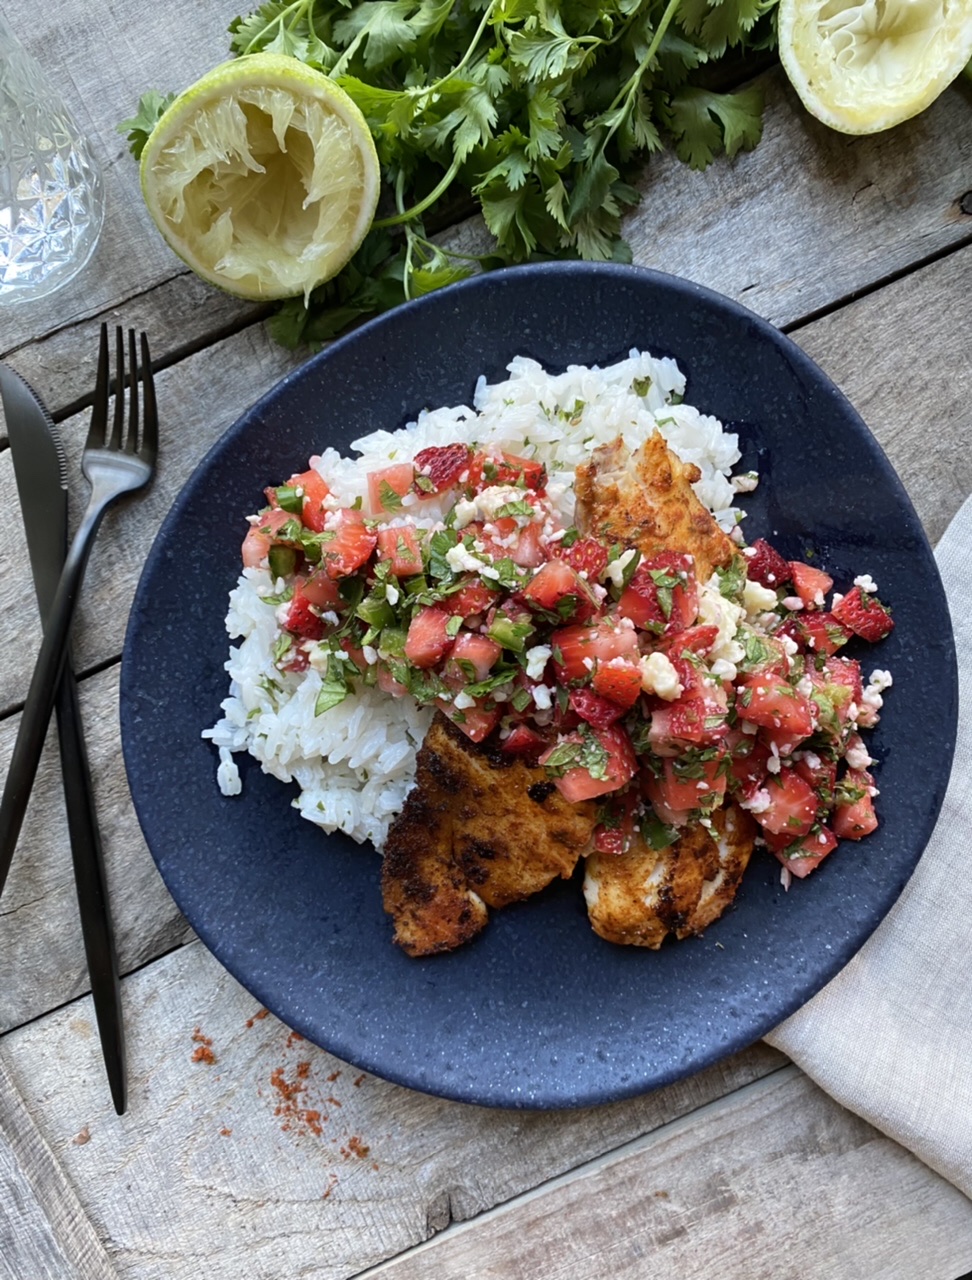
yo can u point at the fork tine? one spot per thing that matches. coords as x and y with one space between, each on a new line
99 411
150 432
116 429
131 439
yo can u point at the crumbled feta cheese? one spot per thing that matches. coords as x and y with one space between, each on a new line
881 680
537 659
773 764
490 500
793 603
370 655
542 697
465 513
391 593
757 598
866 583
659 676
857 755
462 700
723 670
459 558
716 611
615 570
758 802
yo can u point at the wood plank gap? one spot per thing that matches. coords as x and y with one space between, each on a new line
633 1147
803 322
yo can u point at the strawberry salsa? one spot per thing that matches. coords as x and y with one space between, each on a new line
625 677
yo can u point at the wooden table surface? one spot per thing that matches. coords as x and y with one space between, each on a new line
860 249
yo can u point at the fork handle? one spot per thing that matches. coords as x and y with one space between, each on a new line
36 715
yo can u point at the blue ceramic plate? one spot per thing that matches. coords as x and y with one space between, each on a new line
537 1011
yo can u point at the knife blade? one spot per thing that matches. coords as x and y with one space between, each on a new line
41 476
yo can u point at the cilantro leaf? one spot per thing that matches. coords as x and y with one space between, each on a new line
151 108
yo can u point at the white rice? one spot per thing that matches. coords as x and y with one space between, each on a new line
355 763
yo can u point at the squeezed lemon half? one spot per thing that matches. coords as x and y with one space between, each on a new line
864 65
262 176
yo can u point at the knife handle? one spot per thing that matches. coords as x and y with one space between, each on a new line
51 661
92 889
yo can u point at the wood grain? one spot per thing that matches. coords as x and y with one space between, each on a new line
44 1233
775 1182
903 357
40 935
255 1165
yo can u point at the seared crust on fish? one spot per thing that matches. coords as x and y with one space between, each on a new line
479 829
646 500
641 896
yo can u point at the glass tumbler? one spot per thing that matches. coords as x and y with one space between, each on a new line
51 194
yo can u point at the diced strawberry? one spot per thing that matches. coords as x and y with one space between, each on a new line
260 537
662 595
388 684
524 741
577 648
587 556
767 566
800 857
821 773
401 546
323 591
792 806
767 699
471 658
528 551
315 490
302 620
821 632
558 588
507 469
845 671
614 833
618 680
810 584
597 711
476 722
684 786
748 758
700 721
439 467
855 818
356 654
352 544
698 640
618 766
428 640
866 616
656 794
473 597
387 487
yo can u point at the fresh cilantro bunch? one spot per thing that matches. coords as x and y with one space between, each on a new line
539 113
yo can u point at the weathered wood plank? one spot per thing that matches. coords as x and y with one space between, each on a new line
41 952
911 382
255 1165
806 196
44 1234
775 1182
198 399
103 59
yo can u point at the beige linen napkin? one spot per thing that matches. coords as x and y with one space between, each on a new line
891 1036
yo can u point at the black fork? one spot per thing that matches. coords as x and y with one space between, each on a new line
114 465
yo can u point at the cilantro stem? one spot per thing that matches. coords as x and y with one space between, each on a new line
407 215
297 7
631 85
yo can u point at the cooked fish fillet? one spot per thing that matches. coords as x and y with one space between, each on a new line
642 896
478 830
646 500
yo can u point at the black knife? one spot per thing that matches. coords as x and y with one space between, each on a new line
41 477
